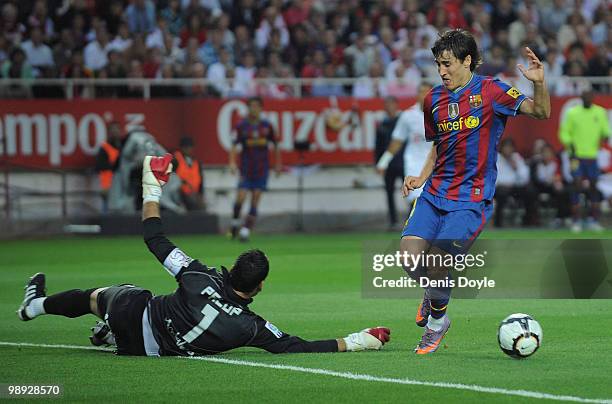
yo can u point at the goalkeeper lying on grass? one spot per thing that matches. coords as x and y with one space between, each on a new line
207 314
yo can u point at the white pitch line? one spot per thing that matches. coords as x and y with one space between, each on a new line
350 375
56 346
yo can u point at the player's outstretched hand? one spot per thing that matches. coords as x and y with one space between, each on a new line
410 184
535 70
369 338
155 174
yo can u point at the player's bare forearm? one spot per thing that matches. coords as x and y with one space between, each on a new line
395 146
232 155
232 159
341 345
149 210
541 101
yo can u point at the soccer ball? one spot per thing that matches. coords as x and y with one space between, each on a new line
519 335
244 234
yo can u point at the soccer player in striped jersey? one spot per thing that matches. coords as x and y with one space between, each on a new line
465 119
254 135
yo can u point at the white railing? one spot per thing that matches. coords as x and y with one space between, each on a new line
296 85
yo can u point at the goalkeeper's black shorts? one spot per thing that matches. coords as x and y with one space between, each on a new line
122 307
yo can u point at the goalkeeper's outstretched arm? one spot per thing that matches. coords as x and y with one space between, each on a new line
268 337
155 172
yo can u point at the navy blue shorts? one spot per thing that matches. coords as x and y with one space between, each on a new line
260 183
453 231
585 169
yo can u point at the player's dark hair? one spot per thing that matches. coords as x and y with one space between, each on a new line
249 270
256 99
460 43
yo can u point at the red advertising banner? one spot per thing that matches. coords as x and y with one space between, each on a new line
67 134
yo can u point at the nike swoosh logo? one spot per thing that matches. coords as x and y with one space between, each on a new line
435 109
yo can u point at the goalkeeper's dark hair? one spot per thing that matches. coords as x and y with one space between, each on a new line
460 43
249 270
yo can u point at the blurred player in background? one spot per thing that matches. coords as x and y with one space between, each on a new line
189 171
107 161
583 132
409 131
207 314
395 166
464 118
254 135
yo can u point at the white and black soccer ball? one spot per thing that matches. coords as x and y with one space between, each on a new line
519 335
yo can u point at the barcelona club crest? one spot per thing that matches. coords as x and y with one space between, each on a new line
453 110
475 100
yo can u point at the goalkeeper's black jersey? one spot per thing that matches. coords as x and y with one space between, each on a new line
206 316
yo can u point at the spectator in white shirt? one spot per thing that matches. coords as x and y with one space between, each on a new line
385 46
373 85
553 65
272 19
223 23
96 52
360 56
244 86
404 70
217 73
123 40
38 55
513 181
155 39
171 53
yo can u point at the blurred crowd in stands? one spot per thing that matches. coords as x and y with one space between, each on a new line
546 191
384 43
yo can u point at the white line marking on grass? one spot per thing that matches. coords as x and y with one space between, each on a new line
56 346
371 378
349 375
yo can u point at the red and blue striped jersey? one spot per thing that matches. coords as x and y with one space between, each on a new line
254 137
466 125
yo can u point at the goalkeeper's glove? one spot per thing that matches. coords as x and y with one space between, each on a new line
370 338
155 173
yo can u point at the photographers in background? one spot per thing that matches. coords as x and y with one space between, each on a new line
107 160
189 171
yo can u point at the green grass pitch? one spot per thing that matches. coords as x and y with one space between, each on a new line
313 291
